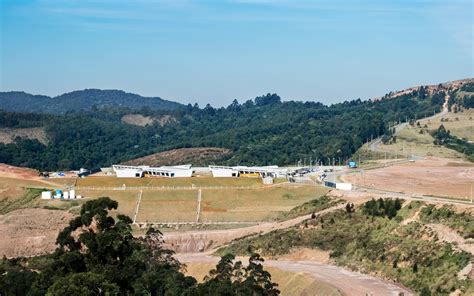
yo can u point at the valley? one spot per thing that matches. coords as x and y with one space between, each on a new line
316 240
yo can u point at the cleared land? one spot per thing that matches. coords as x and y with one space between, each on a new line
325 277
432 176
8 135
217 205
196 156
289 283
255 205
31 232
138 119
168 182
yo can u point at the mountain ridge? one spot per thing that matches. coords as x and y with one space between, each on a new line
80 100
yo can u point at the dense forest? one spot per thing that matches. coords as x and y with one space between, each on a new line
87 99
98 255
262 131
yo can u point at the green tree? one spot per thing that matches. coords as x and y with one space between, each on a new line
83 284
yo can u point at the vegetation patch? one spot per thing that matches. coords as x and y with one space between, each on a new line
444 137
462 222
312 206
26 200
195 156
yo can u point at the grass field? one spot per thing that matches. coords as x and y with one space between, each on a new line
255 205
177 182
126 199
168 205
217 205
410 141
460 124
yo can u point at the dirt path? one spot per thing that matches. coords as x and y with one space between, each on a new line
199 241
344 280
451 236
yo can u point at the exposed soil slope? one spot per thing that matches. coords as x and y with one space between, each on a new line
8 135
195 156
31 232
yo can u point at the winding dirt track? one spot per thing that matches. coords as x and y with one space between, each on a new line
346 281
187 244
199 241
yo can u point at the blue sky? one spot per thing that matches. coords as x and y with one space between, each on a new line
217 51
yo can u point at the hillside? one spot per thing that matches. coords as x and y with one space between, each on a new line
387 238
196 156
80 100
263 131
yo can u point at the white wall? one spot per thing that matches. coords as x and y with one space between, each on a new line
344 186
220 173
128 173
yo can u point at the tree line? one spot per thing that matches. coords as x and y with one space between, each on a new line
263 131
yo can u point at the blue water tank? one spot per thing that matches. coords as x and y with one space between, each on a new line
352 164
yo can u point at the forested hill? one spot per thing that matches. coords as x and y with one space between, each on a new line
79 101
262 131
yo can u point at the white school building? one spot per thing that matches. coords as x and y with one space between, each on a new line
128 171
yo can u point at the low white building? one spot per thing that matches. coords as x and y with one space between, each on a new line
245 171
127 171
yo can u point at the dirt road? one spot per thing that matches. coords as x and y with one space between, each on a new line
346 281
199 241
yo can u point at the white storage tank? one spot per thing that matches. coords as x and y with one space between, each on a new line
267 180
66 195
344 186
46 195
72 194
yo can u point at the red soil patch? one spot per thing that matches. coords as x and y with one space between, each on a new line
8 171
210 209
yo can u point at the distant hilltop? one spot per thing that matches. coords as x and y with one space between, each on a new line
81 100
430 89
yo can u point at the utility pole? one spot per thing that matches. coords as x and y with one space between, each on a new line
471 192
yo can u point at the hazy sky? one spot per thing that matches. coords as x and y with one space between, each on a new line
217 51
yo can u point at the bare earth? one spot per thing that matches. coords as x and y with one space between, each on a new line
346 281
8 135
431 176
289 283
8 171
199 241
31 232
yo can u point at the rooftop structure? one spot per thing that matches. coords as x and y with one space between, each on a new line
127 171
245 171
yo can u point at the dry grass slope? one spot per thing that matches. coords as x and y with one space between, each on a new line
195 156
